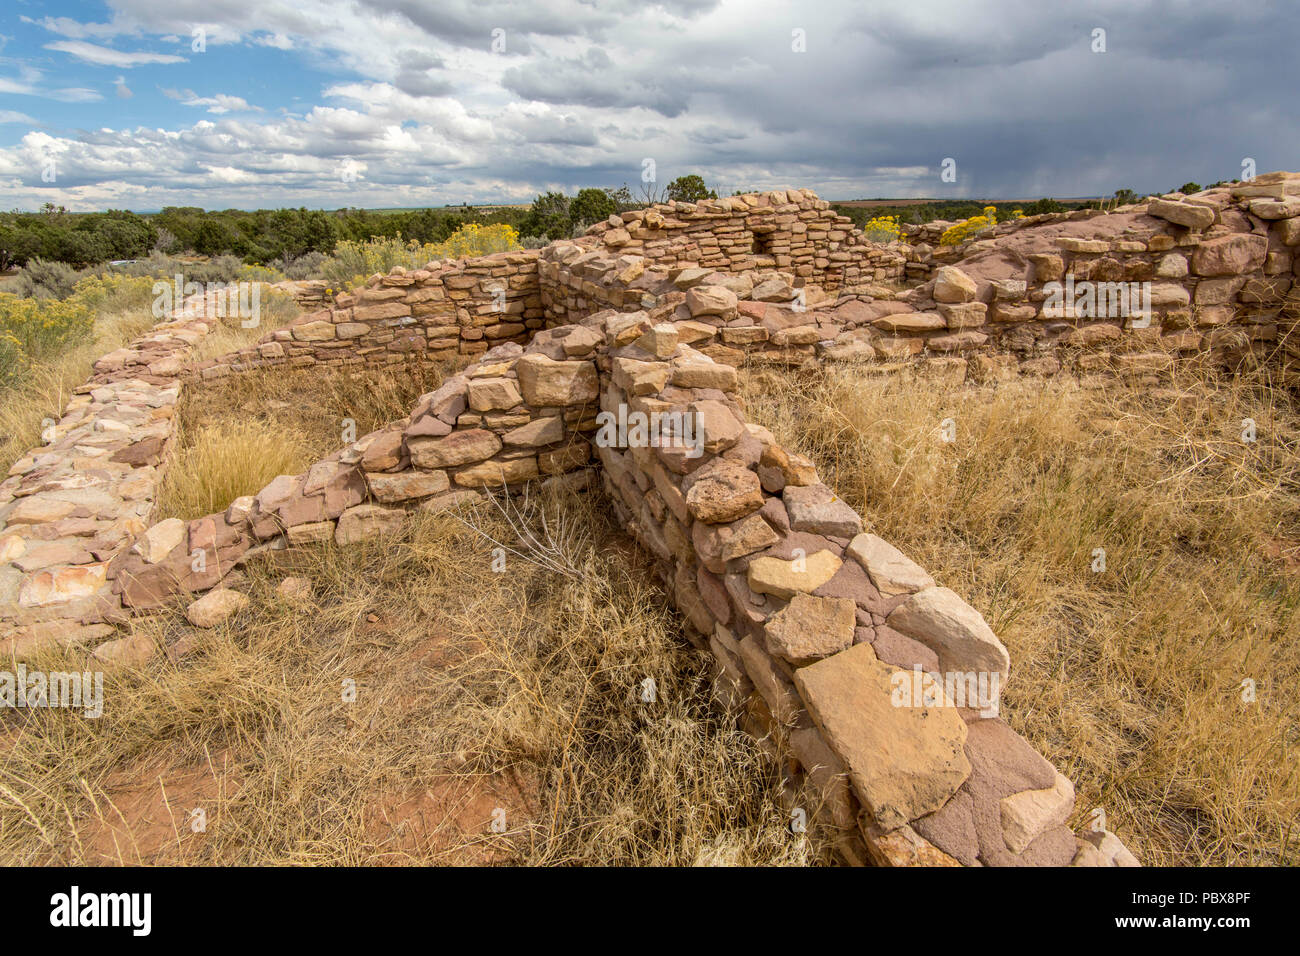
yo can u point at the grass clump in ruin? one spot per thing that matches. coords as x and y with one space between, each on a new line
1131 680
479 696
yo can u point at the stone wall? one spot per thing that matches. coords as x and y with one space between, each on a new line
811 619
443 311
790 230
815 624
69 506
515 416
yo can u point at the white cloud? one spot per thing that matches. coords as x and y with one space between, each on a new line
277 40
218 104
414 96
104 56
12 116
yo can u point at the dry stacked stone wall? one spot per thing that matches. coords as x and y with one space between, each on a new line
444 311
812 620
69 506
790 230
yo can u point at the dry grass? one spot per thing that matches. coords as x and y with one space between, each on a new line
277 309
235 434
45 392
475 691
220 462
1129 680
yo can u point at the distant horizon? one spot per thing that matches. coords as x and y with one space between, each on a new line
527 203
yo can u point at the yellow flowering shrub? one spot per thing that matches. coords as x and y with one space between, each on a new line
475 240
256 273
959 232
353 262
113 292
882 229
36 329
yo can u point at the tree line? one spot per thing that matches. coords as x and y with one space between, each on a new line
270 236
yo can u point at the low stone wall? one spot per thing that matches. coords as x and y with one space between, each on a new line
443 311
815 623
515 416
788 230
1219 270
818 625
70 505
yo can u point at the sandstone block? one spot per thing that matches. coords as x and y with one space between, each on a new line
810 628
891 571
798 575
903 762
954 630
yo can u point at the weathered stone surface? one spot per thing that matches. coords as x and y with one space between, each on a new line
540 431
903 847
1186 214
159 540
799 575
407 484
1029 814
458 448
725 493
641 378
702 373
717 426
295 590
382 451
710 300
717 544
777 690
795 469
1229 255
815 508
491 394
39 509
216 606
367 521
953 285
494 474
891 571
826 771
810 628
903 762
954 630
1108 848
61 585
547 383
310 533
132 651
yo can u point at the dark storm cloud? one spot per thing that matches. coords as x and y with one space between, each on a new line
846 97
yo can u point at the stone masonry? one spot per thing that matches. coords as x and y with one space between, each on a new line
814 623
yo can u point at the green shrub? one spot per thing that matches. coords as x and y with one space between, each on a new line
306 266
45 279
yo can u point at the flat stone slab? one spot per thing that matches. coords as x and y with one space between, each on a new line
903 761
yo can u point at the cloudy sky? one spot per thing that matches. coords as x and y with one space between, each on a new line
255 103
